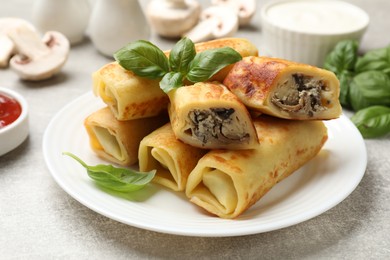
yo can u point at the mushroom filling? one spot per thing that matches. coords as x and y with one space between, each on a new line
303 95
220 125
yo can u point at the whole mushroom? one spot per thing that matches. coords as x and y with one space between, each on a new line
245 9
7 47
215 22
172 18
36 58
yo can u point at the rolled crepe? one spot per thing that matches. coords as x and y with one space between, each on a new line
285 89
130 97
207 115
172 159
118 141
226 183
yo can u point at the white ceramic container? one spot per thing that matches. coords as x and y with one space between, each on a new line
114 23
70 17
307 30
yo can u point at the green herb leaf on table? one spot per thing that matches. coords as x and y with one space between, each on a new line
370 88
114 178
343 57
144 59
341 60
375 60
207 63
373 121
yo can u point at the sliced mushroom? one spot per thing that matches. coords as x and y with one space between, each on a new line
38 59
7 47
245 9
172 18
301 96
215 22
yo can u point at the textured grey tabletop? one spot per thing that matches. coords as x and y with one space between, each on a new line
39 220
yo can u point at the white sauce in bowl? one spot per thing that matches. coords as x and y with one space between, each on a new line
317 16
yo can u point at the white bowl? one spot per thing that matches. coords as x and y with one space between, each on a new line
12 135
307 30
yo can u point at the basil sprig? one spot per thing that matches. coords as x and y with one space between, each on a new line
147 60
114 178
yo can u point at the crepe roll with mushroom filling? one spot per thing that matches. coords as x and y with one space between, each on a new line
118 141
128 95
285 89
173 159
207 115
226 182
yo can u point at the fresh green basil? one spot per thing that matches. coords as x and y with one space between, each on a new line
373 121
375 60
144 59
181 55
171 80
343 57
209 62
369 88
147 60
113 178
341 60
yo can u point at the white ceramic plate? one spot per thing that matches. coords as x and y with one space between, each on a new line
318 186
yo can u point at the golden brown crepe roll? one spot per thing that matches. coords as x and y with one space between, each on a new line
127 95
207 115
118 141
172 159
285 89
226 183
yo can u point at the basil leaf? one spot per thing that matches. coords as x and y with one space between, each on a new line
171 80
209 62
113 178
373 121
378 60
343 57
144 59
181 55
369 88
345 79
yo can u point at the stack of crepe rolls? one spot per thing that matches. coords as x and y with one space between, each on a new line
137 106
222 156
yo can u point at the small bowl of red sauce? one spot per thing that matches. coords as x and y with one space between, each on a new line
14 126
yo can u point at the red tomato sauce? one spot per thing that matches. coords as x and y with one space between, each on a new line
10 110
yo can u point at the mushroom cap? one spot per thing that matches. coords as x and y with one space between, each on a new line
215 22
245 9
172 20
7 47
45 65
6 50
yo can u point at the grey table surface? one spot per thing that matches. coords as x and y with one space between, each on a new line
38 220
